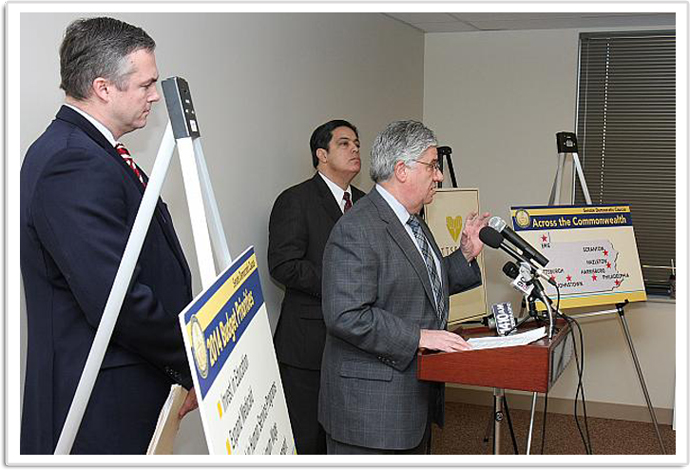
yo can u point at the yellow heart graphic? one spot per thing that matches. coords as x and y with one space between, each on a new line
454 227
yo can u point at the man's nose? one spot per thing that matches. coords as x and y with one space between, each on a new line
439 176
155 96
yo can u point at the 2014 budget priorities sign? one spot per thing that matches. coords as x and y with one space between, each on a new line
234 367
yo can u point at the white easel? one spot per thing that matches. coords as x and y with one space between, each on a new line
207 230
567 144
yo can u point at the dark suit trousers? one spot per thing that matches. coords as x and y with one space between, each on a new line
302 395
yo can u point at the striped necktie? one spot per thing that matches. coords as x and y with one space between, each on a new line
348 202
434 278
124 153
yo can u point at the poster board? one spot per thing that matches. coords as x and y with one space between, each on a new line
229 346
591 250
445 217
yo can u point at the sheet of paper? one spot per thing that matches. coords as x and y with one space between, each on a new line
519 339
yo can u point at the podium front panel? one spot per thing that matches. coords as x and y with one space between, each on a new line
533 368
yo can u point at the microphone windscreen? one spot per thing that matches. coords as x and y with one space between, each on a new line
511 270
497 223
490 237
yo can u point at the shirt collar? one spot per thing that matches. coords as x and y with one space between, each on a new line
97 124
398 208
336 190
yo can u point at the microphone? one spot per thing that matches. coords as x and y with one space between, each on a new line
492 238
504 318
509 234
521 278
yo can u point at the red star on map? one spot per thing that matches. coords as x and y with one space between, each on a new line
553 278
618 283
606 253
594 277
608 265
544 238
569 277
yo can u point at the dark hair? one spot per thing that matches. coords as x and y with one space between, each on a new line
98 47
323 134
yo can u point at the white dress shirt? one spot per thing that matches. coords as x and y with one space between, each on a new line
102 129
404 216
337 192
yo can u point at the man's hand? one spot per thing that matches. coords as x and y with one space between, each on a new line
442 340
190 403
470 244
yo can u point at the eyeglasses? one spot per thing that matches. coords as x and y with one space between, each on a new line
435 166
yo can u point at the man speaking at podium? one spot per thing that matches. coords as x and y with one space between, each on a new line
80 192
386 289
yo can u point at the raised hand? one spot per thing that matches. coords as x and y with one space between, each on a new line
470 244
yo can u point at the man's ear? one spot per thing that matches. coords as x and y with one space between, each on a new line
322 155
401 171
101 88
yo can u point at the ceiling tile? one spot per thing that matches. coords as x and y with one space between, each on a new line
568 23
455 27
463 22
414 18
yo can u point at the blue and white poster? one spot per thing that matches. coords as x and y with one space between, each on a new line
230 350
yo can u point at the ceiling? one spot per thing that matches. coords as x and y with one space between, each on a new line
466 22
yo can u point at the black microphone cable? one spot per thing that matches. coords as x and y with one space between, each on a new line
580 391
546 395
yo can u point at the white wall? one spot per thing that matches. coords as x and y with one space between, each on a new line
260 83
498 99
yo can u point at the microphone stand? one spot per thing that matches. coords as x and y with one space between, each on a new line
539 289
537 293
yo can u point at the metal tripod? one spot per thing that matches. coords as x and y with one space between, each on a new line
567 144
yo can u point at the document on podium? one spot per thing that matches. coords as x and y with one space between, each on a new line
519 339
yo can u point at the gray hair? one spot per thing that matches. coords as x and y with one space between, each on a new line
98 47
400 141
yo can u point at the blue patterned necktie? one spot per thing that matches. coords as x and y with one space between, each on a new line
436 286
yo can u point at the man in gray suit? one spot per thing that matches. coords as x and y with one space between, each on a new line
386 290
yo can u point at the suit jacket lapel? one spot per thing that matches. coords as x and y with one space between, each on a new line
68 114
326 198
356 194
403 240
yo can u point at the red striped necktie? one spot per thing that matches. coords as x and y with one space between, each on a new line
124 153
348 202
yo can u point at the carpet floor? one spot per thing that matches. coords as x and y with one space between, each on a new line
469 430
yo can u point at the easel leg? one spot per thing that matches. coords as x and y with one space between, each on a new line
652 414
531 422
498 417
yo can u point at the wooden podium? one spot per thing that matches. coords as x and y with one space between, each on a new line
533 368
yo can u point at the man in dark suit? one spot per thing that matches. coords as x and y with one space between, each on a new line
79 198
386 288
301 220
